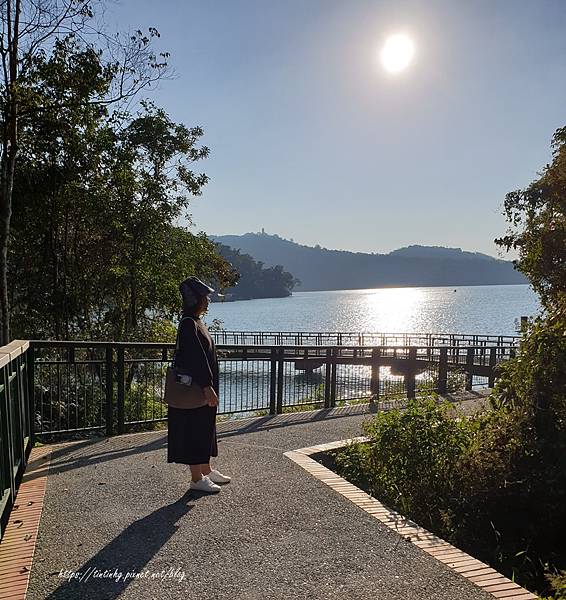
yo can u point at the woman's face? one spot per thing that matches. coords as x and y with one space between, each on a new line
203 304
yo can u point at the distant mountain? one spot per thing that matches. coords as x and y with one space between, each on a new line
322 269
439 252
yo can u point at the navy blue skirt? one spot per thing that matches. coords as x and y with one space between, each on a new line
191 435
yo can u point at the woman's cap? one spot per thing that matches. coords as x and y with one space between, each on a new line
197 286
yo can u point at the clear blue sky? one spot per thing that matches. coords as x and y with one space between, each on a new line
311 139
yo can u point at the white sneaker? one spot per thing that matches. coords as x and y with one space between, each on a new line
205 485
217 477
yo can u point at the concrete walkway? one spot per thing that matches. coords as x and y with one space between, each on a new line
275 532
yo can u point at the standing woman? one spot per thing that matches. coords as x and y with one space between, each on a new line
191 435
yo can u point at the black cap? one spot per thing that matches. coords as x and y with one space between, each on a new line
197 286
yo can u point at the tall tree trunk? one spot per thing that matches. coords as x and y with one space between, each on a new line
6 187
9 154
5 216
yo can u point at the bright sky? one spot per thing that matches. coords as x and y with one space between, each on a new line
313 139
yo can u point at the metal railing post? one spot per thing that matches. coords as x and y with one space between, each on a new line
109 413
273 382
121 388
375 365
443 371
327 378
492 362
470 368
333 378
31 393
411 371
280 375
7 489
19 406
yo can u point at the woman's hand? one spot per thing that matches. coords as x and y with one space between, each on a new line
211 396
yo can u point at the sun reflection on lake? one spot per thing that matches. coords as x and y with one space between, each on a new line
480 309
392 309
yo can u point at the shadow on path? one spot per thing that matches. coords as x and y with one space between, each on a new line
298 418
126 554
77 455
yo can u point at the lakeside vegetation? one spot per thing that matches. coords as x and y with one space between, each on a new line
494 484
96 183
256 280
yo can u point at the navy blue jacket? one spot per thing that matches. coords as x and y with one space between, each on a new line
197 353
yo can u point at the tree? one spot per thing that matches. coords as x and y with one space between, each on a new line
536 380
97 253
29 29
537 218
257 281
531 388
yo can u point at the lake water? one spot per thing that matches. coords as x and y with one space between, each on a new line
491 309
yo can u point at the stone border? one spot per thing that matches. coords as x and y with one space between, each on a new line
478 573
20 537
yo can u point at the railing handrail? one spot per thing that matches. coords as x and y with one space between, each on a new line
16 421
101 344
355 333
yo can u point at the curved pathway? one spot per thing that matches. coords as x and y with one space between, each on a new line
117 513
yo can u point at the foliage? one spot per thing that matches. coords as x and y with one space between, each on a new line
411 458
469 480
96 246
31 30
517 475
537 218
532 387
311 401
256 281
558 584
495 484
216 325
534 383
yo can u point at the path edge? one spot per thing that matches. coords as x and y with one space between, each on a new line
18 544
476 572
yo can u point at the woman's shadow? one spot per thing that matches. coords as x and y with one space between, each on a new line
129 552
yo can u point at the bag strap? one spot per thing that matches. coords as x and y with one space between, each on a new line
177 340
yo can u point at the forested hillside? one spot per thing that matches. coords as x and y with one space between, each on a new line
323 269
256 280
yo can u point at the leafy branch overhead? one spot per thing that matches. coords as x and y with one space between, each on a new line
99 195
537 218
56 60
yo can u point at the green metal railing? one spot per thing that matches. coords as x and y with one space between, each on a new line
59 387
349 338
118 387
16 421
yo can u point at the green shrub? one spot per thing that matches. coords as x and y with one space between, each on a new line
513 494
558 585
532 387
494 484
410 460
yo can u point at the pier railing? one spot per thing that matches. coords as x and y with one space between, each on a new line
337 338
16 422
118 387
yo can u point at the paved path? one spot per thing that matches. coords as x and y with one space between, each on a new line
273 533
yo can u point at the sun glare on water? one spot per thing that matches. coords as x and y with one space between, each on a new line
397 53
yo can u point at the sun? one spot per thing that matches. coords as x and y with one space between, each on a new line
397 53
